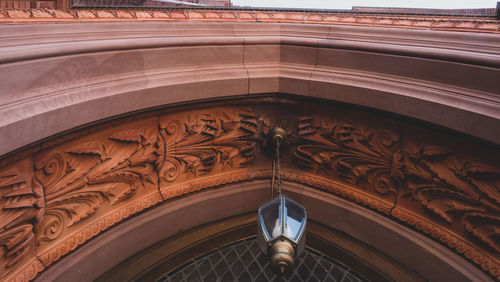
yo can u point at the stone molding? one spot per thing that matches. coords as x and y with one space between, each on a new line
449 23
87 72
64 192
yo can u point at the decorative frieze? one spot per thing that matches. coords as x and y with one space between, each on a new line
434 22
92 178
68 190
448 190
22 209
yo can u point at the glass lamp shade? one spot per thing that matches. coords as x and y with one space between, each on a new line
281 218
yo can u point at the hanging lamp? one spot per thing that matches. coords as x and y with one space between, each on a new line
281 221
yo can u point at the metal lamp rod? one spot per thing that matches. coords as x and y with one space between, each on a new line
277 136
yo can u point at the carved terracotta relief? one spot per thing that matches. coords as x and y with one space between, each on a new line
196 145
460 191
94 182
445 193
22 209
68 190
365 158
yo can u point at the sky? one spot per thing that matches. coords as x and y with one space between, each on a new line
347 4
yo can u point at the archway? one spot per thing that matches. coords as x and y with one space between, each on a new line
122 131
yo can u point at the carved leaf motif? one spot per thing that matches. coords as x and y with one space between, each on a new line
452 181
228 122
437 200
143 138
411 150
21 206
122 168
457 191
17 241
353 154
144 154
434 151
91 148
127 136
304 158
305 126
197 145
485 227
473 168
77 205
421 173
57 172
460 192
133 177
489 188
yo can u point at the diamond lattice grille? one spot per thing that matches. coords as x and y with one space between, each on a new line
242 261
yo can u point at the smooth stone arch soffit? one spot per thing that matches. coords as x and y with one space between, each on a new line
56 77
59 195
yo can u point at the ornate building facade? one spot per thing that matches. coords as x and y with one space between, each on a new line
134 141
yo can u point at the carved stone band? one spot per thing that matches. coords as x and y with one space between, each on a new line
62 193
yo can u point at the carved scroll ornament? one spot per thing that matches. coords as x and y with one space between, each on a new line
463 194
204 142
118 172
81 184
78 181
352 154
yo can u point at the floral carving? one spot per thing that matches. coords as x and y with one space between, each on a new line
82 178
458 191
21 208
197 145
352 153
464 193
86 182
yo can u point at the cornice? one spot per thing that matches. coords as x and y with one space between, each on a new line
409 74
17 53
404 21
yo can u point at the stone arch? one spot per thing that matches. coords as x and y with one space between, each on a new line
57 84
365 226
69 190
348 95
